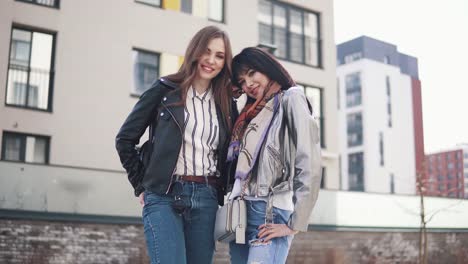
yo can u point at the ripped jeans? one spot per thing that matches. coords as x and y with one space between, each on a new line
256 251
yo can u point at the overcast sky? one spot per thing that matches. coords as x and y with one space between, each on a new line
436 32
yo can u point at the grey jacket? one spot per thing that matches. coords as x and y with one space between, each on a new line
290 158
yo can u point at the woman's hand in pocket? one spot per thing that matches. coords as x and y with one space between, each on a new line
142 198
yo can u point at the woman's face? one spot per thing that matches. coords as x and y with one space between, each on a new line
212 61
253 83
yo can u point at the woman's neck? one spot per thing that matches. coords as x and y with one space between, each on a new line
201 85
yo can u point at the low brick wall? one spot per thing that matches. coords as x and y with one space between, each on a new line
38 242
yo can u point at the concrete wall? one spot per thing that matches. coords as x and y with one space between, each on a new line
75 192
39 242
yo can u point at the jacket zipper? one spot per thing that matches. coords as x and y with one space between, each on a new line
180 129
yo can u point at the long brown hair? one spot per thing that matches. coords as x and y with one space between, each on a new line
221 83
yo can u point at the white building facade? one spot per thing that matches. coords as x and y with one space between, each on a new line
379 116
71 71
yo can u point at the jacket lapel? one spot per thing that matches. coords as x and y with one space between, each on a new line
222 128
172 98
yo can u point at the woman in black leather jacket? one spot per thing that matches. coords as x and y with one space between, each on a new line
178 179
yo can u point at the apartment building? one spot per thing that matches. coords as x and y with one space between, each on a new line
71 71
447 172
380 116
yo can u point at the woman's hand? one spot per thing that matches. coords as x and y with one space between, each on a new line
270 231
142 198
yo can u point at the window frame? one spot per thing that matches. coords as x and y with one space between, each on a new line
35 2
134 91
352 90
149 4
352 130
321 118
50 95
303 11
24 136
358 187
223 14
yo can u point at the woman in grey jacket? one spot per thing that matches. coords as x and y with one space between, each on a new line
275 146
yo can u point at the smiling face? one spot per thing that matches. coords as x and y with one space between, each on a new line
211 62
253 83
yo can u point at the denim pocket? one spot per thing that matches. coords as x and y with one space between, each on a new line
212 191
258 206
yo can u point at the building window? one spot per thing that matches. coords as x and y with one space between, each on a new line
450 166
211 9
150 2
389 101
25 148
145 70
353 89
356 171
322 181
49 3
352 57
465 155
216 10
381 148
386 59
392 183
354 129
441 187
186 6
314 94
293 31
30 69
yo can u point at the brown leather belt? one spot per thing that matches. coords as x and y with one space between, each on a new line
212 180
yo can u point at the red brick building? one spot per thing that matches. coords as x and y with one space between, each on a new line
447 173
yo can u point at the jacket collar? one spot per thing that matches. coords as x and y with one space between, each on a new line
171 100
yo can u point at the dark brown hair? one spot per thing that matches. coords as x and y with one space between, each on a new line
221 83
253 58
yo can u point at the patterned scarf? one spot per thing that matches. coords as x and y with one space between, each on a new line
243 148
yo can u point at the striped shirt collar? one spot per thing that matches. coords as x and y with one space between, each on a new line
191 93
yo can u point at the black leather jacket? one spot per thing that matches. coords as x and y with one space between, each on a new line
156 105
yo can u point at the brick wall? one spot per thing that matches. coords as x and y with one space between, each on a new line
40 242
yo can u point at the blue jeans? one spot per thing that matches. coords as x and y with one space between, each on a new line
185 238
256 251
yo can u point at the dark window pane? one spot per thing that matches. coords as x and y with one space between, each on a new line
265 33
280 33
280 42
151 2
27 148
295 32
354 129
52 3
353 89
30 69
186 6
296 36
216 10
356 171
12 147
146 70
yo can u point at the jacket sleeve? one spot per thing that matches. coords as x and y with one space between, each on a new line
307 163
143 113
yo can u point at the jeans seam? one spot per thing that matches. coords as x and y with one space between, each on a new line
153 232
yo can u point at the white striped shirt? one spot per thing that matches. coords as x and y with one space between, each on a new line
201 135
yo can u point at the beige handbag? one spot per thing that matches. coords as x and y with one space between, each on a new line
231 219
